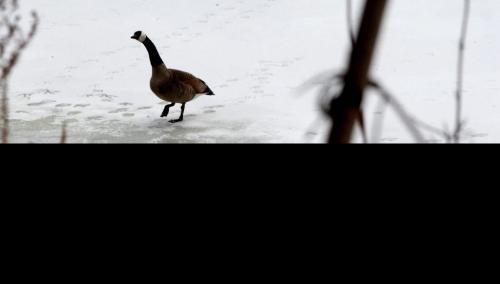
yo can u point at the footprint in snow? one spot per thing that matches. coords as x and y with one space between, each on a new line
144 108
81 106
214 107
73 113
119 110
63 105
26 95
47 91
94 118
44 102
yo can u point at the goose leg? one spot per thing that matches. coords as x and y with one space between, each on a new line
167 109
181 118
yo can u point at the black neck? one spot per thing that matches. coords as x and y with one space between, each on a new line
154 56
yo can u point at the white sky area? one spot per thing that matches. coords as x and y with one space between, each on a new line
84 69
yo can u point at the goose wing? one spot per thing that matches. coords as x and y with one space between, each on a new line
190 80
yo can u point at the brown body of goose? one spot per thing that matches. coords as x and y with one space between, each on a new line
174 86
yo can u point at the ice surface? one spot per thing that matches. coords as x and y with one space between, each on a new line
84 69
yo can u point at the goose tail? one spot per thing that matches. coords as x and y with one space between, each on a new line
208 91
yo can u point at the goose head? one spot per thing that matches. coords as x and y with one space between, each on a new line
140 36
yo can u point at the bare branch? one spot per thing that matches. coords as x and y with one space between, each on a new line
409 121
13 41
460 72
345 109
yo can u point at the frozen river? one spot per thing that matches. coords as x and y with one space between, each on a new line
83 69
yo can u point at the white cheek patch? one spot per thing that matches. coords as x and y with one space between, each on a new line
143 37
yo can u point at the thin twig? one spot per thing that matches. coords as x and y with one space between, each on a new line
408 120
413 124
460 72
64 135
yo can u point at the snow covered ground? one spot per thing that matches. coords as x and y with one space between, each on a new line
84 69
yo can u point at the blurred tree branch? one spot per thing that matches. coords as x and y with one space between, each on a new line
13 41
345 110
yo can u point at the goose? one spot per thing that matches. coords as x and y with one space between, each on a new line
170 85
